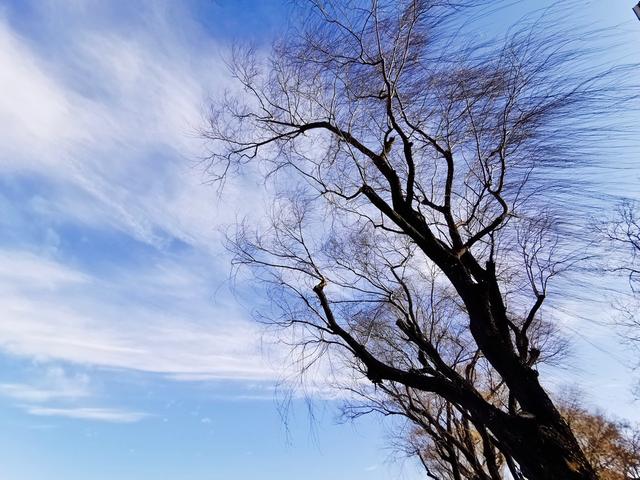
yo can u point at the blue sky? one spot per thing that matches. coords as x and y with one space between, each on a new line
123 353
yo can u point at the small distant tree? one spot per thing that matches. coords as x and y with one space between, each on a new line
414 226
623 233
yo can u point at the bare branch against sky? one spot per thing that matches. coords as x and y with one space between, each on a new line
422 202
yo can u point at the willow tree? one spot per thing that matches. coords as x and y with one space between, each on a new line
414 223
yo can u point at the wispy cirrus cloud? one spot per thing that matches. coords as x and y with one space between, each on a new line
55 384
85 413
55 392
159 320
110 254
111 122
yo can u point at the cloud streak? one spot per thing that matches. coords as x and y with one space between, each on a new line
84 413
57 393
56 385
112 124
100 145
58 313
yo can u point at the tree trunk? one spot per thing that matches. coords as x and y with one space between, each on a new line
543 451
538 437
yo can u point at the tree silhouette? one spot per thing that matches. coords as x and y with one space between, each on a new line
414 225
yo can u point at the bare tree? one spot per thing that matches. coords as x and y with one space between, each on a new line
414 226
623 233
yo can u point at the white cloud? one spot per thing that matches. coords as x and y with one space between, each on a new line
24 270
108 125
33 109
56 385
113 123
118 322
85 413
56 392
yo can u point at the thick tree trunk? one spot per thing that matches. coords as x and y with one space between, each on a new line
543 451
538 437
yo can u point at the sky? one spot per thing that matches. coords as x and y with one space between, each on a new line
124 351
